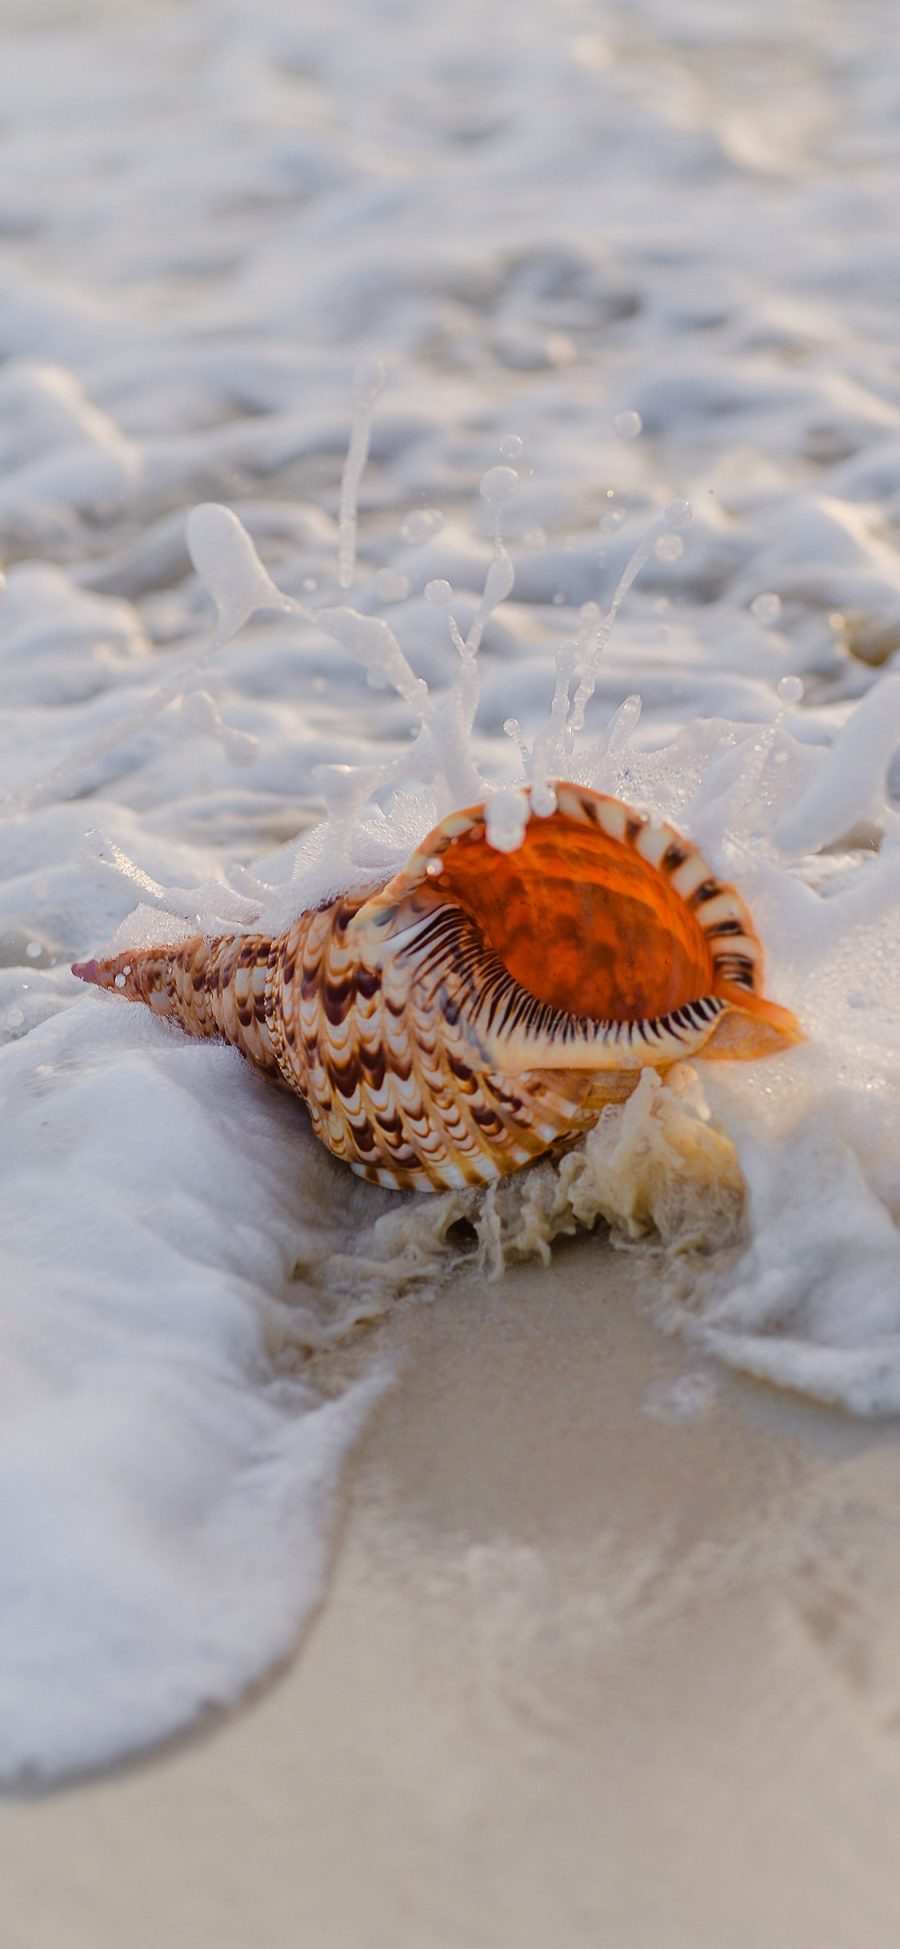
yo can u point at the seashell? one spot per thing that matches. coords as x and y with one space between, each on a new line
481 1006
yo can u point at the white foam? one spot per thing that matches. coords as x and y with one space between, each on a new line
201 252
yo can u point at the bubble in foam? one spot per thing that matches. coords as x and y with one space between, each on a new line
391 585
422 525
439 592
766 608
498 484
790 689
668 547
512 446
628 424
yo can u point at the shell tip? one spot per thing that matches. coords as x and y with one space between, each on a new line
88 971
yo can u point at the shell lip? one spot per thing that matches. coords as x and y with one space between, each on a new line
726 951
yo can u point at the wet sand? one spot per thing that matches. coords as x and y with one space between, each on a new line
587 1673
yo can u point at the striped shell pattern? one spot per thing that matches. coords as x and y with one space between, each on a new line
481 1007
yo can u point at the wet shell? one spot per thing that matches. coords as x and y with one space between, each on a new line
481 1007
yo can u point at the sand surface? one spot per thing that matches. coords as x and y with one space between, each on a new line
591 1668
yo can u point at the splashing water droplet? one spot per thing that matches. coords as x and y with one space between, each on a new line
422 525
34 950
439 592
766 608
368 380
790 689
506 817
512 446
120 981
678 514
498 484
543 799
226 560
628 424
669 547
611 521
390 585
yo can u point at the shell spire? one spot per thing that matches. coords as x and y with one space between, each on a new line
481 1007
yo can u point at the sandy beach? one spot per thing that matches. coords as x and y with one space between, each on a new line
590 1669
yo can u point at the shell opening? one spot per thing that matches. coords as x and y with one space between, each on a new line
581 920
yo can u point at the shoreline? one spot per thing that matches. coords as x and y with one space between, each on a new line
573 1628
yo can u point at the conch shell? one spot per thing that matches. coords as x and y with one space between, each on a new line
482 1006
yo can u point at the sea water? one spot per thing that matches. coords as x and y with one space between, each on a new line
396 409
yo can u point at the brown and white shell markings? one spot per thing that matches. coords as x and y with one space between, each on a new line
482 1006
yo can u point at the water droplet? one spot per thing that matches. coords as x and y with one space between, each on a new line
678 514
439 592
368 381
120 981
628 424
837 620
590 612
790 689
611 521
34 950
512 446
310 583
543 799
390 585
14 1018
559 598
506 817
668 547
766 608
535 538
434 869
498 484
422 525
